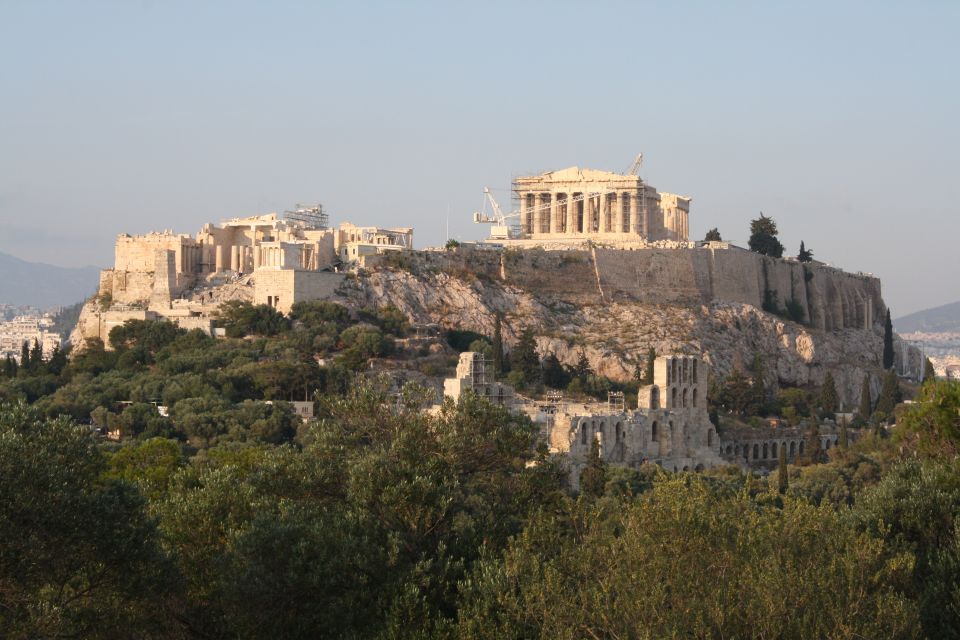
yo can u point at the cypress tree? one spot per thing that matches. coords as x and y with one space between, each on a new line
828 394
36 355
814 449
582 369
890 395
497 344
928 371
843 440
25 356
10 367
593 478
651 358
887 342
866 406
805 255
782 477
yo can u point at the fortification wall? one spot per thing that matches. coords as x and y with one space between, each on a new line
828 298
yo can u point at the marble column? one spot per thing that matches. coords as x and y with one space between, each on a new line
618 213
537 214
554 214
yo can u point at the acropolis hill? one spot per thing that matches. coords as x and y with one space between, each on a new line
599 262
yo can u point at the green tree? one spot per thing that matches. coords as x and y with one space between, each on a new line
554 375
593 478
36 356
843 441
814 446
783 480
25 356
828 394
80 557
888 354
929 373
890 394
524 358
713 235
763 237
805 254
866 404
933 420
582 369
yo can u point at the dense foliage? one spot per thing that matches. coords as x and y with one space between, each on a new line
225 516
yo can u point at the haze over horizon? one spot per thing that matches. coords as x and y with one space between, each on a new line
836 120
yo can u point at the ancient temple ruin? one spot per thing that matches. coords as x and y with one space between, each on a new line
577 204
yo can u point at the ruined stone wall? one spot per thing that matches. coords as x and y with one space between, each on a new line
281 288
829 298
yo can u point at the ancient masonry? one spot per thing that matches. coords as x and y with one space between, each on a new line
670 427
267 259
575 205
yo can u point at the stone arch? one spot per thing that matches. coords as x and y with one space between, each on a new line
694 397
685 367
618 432
655 397
793 449
686 468
801 447
710 437
756 451
684 397
773 450
695 373
583 433
654 432
765 450
673 398
699 468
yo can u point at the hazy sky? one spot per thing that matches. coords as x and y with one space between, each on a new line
839 119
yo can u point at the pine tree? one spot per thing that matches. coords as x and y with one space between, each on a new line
554 375
498 344
805 254
593 478
713 236
890 394
928 371
887 342
763 237
866 404
582 369
651 359
524 357
783 479
828 394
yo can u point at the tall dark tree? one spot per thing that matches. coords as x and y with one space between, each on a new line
554 375
763 237
844 436
828 394
805 254
929 373
10 367
25 355
498 343
593 478
36 355
866 403
783 479
887 342
582 368
524 357
890 394
713 236
814 447
651 359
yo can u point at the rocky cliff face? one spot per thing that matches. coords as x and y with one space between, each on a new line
608 304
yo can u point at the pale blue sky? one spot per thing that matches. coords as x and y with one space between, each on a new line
839 119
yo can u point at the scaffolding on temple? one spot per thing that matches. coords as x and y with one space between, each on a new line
615 401
312 215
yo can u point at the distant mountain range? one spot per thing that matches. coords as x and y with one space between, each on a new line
945 319
44 285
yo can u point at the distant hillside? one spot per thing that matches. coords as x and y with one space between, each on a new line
945 319
44 285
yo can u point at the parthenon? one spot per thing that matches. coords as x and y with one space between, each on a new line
579 204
